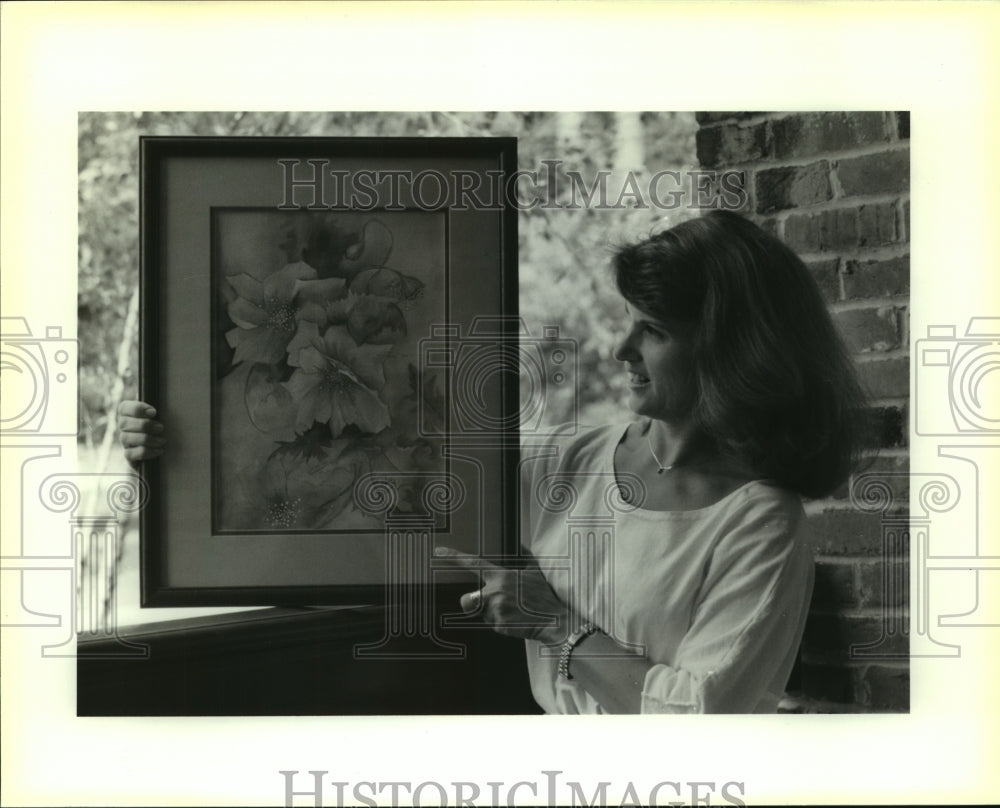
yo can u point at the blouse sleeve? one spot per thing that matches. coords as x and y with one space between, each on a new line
747 621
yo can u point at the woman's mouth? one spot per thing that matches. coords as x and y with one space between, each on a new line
637 379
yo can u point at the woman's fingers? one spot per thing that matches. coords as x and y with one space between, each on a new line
515 602
140 435
471 602
136 409
142 446
130 440
128 423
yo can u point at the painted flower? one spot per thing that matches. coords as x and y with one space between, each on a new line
372 249
369 320
266 313
336 381
373 321
404 290
311 489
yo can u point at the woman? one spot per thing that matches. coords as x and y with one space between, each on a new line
746 401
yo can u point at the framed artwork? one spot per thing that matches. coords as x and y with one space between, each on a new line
325 329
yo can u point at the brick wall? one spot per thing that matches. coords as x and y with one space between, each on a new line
835 187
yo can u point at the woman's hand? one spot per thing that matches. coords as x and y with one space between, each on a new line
140 434
515 602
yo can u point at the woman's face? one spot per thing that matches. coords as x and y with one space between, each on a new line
658 359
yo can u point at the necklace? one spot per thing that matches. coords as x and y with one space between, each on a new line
660 468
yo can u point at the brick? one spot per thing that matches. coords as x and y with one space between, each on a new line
903 125
827 276
882 687
828 682
884 427
877 278
877 225
873 330
831 636
834 586
730 144
846 532
829 230
793 186
769 226
889 378
885 582
812 134
883 173
842 228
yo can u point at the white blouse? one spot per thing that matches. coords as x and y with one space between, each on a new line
715 597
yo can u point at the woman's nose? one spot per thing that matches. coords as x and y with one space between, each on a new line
624 350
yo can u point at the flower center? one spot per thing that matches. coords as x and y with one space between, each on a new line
280 316
334 380
283 514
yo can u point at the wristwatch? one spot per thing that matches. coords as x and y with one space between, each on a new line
571 642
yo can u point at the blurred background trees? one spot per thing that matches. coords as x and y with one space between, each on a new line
563 253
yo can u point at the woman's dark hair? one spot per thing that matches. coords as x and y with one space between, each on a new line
776 387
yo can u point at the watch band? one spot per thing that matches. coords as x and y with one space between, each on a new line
571 642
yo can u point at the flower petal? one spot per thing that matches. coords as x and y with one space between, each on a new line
321 291
307 410
258 345
373 250
324 407
312 312
337 343
306 335
304 389
246 314
338 311
269 404
376 321
281 284
247 287
312 361
360 406
301 384
367 363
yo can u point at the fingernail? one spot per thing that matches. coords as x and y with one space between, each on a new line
440 551
150 411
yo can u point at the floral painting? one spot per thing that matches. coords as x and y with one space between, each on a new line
317 323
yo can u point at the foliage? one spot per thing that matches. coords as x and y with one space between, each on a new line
563 253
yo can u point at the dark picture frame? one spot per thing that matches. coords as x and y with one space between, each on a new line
326 324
